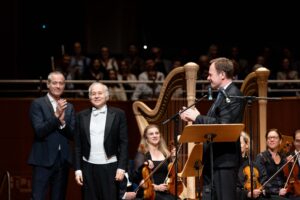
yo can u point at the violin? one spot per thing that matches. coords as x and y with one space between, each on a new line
171 176
292 184
149 193
171 181
247 173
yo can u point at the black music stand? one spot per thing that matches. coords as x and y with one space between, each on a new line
211 133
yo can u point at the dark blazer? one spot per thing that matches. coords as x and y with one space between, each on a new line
47 133
226 154
115 136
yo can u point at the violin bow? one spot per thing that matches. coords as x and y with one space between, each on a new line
287 180
279 170
166 179
151 174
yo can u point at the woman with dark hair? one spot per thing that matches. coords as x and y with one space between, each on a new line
270 163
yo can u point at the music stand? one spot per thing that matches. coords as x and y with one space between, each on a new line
193 166
194 161
211 133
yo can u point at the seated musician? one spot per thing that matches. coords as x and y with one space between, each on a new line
292 170
152 150
244 184
270 163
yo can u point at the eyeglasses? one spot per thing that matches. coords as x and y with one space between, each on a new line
273 137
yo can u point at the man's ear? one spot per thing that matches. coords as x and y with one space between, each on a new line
223 75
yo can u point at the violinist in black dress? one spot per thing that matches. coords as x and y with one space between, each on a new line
154 152
270 163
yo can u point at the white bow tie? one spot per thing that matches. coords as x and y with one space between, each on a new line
96 111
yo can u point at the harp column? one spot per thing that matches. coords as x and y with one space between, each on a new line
191 70
262 82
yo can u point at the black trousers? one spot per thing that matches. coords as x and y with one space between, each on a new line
224 185
99 181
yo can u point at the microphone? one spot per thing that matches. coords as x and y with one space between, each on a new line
225 95
209 93
175 115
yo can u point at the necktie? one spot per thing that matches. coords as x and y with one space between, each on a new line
96 111
217 102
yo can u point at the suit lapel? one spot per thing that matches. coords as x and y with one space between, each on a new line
86 124
48 103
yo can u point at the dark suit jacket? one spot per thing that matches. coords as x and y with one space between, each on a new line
226 154
47 133
115 136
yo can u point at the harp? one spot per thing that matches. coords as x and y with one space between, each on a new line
185 76
181 76
256 84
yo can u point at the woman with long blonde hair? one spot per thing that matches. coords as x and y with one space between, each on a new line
154 152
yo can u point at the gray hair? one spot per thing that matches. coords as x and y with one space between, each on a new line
104 86
54 73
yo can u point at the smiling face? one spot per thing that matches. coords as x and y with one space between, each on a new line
273 140
153 136
98 94
56 84
214 77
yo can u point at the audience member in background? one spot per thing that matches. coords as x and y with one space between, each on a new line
96 71
213 52
148 91
53 123
134 60
162 64
116 90
79 62
203 63
101 147
259 62
79 65
286 72
179 92
243 64
126 75
64 66
107 61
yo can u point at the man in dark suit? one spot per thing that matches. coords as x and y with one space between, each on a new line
53 122
101 146
226 155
